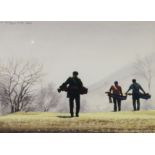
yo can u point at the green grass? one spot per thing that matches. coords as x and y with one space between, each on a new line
143 121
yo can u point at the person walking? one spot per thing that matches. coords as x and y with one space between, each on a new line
116 92
73 85
136 88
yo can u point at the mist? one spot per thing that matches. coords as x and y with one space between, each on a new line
101 52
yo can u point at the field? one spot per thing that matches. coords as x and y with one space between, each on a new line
143 121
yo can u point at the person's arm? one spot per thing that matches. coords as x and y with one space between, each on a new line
141 89
64 85
80 82
121 91
66 82
128 89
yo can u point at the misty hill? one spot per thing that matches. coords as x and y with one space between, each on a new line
97 100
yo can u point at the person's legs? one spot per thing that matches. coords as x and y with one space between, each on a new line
134 104
71 105
119 104
77 99
115 104
138 104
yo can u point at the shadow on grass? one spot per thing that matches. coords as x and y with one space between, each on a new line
64 116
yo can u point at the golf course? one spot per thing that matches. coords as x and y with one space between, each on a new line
38 122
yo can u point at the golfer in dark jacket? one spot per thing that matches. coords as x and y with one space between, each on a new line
73 85
135 87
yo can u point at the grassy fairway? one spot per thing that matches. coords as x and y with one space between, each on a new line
143 121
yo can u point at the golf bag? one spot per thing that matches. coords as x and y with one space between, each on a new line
83 90
110 95
143 96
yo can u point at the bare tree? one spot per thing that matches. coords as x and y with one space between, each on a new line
18 83
144 68
48 99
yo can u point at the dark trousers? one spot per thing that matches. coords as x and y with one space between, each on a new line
71 104
136 104
117 104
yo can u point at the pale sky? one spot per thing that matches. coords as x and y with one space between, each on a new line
95 49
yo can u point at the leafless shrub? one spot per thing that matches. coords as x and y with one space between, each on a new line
18 83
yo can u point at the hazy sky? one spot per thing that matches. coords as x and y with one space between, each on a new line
95 49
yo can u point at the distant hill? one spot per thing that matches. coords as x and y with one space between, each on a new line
97 100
